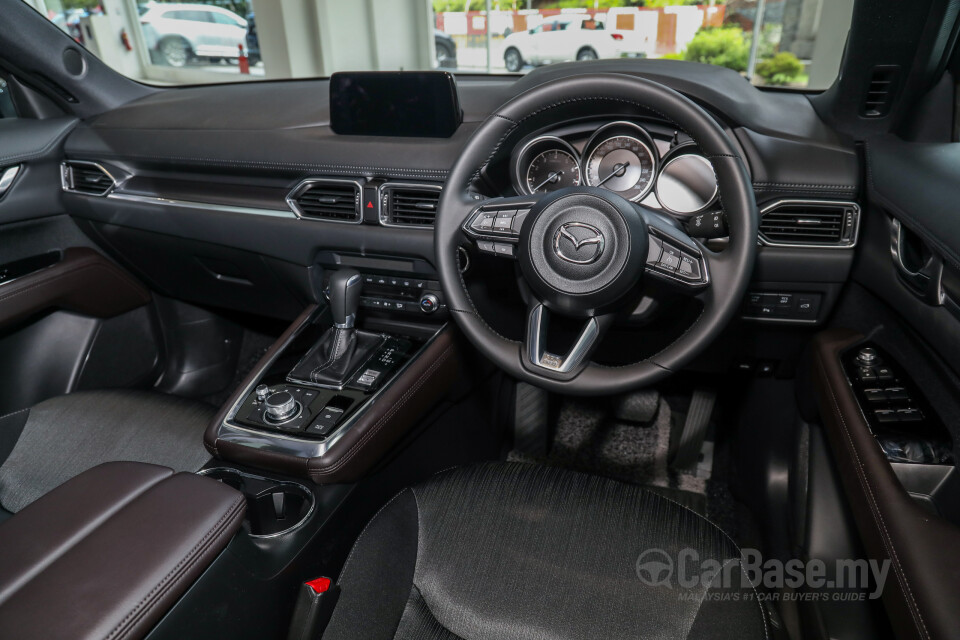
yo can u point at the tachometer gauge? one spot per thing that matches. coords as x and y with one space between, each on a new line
551 170
545 164
620 157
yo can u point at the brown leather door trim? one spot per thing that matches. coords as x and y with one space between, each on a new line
83 281
922 599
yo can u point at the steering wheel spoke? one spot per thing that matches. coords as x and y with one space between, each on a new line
494 225
674 259
546 363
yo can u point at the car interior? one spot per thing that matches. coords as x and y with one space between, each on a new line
434 355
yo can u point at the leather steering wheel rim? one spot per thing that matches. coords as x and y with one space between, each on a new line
730 269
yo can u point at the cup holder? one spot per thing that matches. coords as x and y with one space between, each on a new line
274 507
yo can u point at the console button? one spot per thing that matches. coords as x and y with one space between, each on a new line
886 415
884 373
326 421
785 300
429 303
806 305
910 414
897 394
866 374
875 395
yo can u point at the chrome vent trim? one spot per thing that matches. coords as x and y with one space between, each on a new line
327 199
87 178
827 224
408 204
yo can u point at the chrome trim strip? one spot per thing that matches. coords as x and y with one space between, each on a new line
280 483
66 177
205 206
304 184
843 244
291 445
381 210
536 343
9 175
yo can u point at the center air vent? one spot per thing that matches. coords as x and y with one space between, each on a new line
816 223
409 205
334 200
89 178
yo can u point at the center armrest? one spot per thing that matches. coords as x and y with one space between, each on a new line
107 553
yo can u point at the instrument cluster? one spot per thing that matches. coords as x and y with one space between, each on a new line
658 169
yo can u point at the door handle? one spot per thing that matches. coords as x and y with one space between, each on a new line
918 267
7 177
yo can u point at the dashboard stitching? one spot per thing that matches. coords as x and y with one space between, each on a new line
801 185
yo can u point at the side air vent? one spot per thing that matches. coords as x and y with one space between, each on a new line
89 178
815 223
881 91
409 205
333 200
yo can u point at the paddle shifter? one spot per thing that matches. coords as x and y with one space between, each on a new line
342 348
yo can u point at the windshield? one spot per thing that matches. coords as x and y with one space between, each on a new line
780 43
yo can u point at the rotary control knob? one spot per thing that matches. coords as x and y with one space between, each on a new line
280 406
429 303
868 357
262 392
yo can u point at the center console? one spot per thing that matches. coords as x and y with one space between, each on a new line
336 390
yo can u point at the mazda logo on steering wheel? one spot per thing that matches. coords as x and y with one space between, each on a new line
578 243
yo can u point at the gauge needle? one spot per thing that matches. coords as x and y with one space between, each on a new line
618 170
553 177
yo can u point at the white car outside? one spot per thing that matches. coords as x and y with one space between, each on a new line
179 33
564 38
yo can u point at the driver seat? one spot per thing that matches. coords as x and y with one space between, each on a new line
518 551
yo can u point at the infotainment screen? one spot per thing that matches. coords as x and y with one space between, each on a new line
394 103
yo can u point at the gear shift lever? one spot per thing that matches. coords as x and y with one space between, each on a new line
345 286
342 348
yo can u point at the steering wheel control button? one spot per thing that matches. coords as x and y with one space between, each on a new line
504 220
486 246
519 219
503 249
654 251
670 259
689 268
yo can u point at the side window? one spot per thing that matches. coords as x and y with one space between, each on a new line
219 18
7 109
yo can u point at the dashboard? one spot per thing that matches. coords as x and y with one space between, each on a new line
208 173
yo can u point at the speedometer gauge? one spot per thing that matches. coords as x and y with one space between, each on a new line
620 158
551 170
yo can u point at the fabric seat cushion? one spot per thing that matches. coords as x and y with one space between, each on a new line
527 552
67 435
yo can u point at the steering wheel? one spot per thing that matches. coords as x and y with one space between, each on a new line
584 252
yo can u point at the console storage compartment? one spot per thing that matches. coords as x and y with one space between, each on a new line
108 553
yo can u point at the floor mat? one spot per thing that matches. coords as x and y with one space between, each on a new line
592 437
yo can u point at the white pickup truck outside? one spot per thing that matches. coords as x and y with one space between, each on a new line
567 37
